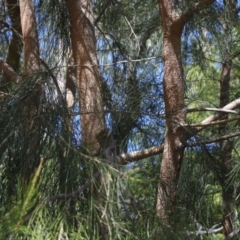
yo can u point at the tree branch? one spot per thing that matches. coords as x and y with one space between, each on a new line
141 154
9 72
225 137
209 231
103 11
210 109
232 105
126 158
213 123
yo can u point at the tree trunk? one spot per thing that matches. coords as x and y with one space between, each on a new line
31 127
173 84
84 53
95 137
226 155
30 39
227 145
227 190
174 109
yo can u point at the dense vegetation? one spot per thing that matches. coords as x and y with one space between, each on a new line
119 119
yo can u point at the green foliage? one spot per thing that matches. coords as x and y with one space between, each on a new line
13 221
79 196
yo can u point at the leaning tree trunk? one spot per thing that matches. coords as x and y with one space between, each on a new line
93 129
30 38
173 84
89 85
31 125
174 109
226 145
226 155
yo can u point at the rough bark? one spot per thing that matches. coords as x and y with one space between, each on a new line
30 38
85 59
94 134
227 145
173 84
227 190
174 109
225 156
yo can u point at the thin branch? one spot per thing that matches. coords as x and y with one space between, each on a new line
6 139
213 123
156 115
132 31
103 11
111 64
76 192
209 231
219 139
232 105
139 155
211 110
53 78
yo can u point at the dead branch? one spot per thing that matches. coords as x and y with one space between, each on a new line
213 123
211 109
126 158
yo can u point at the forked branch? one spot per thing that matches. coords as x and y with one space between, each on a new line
153 151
